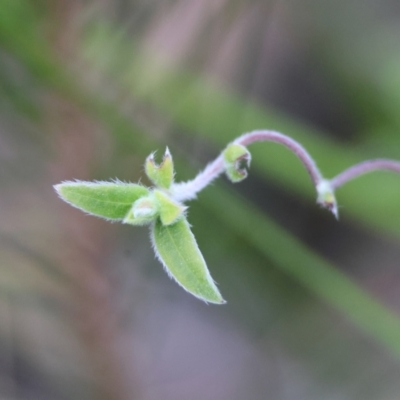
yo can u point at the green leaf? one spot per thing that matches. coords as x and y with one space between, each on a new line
170 210
161 175
110 200
177 249
236 159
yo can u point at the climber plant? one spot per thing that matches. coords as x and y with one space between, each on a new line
163 205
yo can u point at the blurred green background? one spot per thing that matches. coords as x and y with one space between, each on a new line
89 88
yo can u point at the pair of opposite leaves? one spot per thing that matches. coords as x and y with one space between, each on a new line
173 241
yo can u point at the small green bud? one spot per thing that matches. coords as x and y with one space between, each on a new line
143 211
236 159
170 210
326 197
161 175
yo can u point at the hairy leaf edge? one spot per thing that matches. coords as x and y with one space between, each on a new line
166 269
78 182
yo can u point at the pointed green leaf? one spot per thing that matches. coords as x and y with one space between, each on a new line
177 249
110 200
236 159
161 175
169 209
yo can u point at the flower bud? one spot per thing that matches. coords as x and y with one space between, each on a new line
236 159
326 197
161 175
143 211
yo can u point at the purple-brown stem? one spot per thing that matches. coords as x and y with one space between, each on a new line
291 144
188 190
325 188
363 168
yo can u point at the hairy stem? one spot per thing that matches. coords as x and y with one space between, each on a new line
363 168
291 144
188 190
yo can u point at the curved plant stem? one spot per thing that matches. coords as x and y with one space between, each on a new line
183 191
291 144
188 190
363 168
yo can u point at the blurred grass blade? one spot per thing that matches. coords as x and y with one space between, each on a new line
305 266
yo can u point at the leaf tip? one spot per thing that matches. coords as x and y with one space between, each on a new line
59 188
220 302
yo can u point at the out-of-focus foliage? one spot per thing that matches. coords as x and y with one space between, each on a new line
89 89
